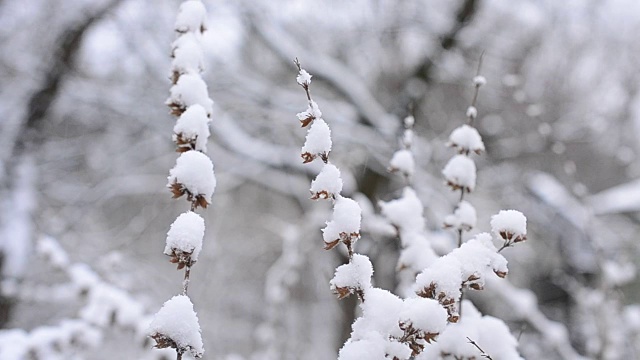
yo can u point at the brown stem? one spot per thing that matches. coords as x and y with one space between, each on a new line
185 282
179 355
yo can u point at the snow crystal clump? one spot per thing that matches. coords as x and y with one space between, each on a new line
403 162
189 90
479 80
303 78
327 184
354 276
318 142
191 16
463 218
185 235
466 139
194 172
460 173
345 223
187 55
405 213
472 112
363 349
511 225
313 112
426 315
176 325
192 128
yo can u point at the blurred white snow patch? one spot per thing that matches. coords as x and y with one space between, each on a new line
225 33
551 191
617 199
16 233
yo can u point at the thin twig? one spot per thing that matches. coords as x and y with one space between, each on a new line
484 354
185 282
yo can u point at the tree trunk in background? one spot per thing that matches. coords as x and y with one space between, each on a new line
18 212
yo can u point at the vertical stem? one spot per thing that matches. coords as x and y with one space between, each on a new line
179 355
185 282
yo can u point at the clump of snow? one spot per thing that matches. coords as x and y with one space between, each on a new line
380 313
463 218
489 333
370 349
313 112
177 322
409 121
187 55
403 162
192 129
318 141
460 173
417 254
194 172
472 112
479 80
345 223
510 225
405 213
468 266
426 315
466 139
185 235
303 78
354 276
191 17
327 184
190 89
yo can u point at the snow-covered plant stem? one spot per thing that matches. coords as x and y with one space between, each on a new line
176 324
390 327
471 263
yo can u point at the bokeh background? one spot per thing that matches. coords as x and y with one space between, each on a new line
86 148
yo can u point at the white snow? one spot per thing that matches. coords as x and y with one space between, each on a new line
472 112
193 126
466 139
363 349
426 315
479 80
509 225
327 184
194 170
189 90
185 235
417 255
303 78
403 162
345 222
191 16
409 121
312 112
490 334
318 141
178 321
187 53
354 275
463 218
380 313
50 249
460 172
406 212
